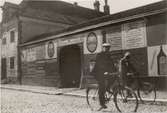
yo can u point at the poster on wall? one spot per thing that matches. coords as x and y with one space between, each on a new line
114 37
31 54
157 60
134 35
51 49
92 42
23 55
40 52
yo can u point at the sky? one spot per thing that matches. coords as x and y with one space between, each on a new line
115 5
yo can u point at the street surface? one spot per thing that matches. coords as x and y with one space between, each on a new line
13 101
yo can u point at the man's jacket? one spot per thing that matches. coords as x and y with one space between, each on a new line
103 64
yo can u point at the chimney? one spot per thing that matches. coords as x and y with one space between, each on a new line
106 8
75 4
97 5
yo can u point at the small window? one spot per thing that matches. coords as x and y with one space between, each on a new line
3 41
12 62
12 36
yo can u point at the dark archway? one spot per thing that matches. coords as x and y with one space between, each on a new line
70 66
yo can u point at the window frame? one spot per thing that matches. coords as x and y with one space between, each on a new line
12 62
4 41
12 36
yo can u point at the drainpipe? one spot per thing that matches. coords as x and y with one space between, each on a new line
19 70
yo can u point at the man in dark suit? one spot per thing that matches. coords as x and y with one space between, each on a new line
103 66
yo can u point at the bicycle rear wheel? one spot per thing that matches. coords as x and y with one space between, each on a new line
125 100
147 92
92 98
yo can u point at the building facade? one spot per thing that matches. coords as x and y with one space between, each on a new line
9 52
21 23
66 58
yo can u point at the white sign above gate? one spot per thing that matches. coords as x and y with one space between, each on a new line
64 42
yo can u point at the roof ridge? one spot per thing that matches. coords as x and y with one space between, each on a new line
10 4
62 2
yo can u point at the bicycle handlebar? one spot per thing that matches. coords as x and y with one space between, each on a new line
111 75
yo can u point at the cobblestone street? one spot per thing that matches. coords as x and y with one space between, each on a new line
26 102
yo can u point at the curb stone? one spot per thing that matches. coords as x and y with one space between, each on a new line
70 92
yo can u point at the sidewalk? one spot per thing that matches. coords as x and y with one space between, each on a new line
161 95
38 89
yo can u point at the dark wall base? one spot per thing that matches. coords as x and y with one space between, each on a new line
41 81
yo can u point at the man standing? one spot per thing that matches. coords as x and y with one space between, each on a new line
127 69
103 66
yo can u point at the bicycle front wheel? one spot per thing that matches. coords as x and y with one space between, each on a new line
92 98
125 100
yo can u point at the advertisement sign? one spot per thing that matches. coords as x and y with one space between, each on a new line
134 35
91 65
40 52
31 54
70 40
51 49
154 59
114 37
23 56
93 42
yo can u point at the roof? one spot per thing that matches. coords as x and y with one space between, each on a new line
148 9
8 4
55 11
52 17
128 13
62 8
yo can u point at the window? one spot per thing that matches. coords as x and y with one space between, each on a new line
12 36
12 62
4 41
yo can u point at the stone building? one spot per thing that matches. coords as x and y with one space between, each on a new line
66 57
20 23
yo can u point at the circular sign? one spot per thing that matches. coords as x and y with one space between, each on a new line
91 42
51 50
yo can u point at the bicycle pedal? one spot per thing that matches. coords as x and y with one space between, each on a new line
146 92
107 99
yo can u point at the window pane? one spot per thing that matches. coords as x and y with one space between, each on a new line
4 41
12 36
12 62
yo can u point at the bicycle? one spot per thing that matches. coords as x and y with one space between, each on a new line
145 90
125 98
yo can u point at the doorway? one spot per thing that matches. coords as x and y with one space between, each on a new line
3 69
70 66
